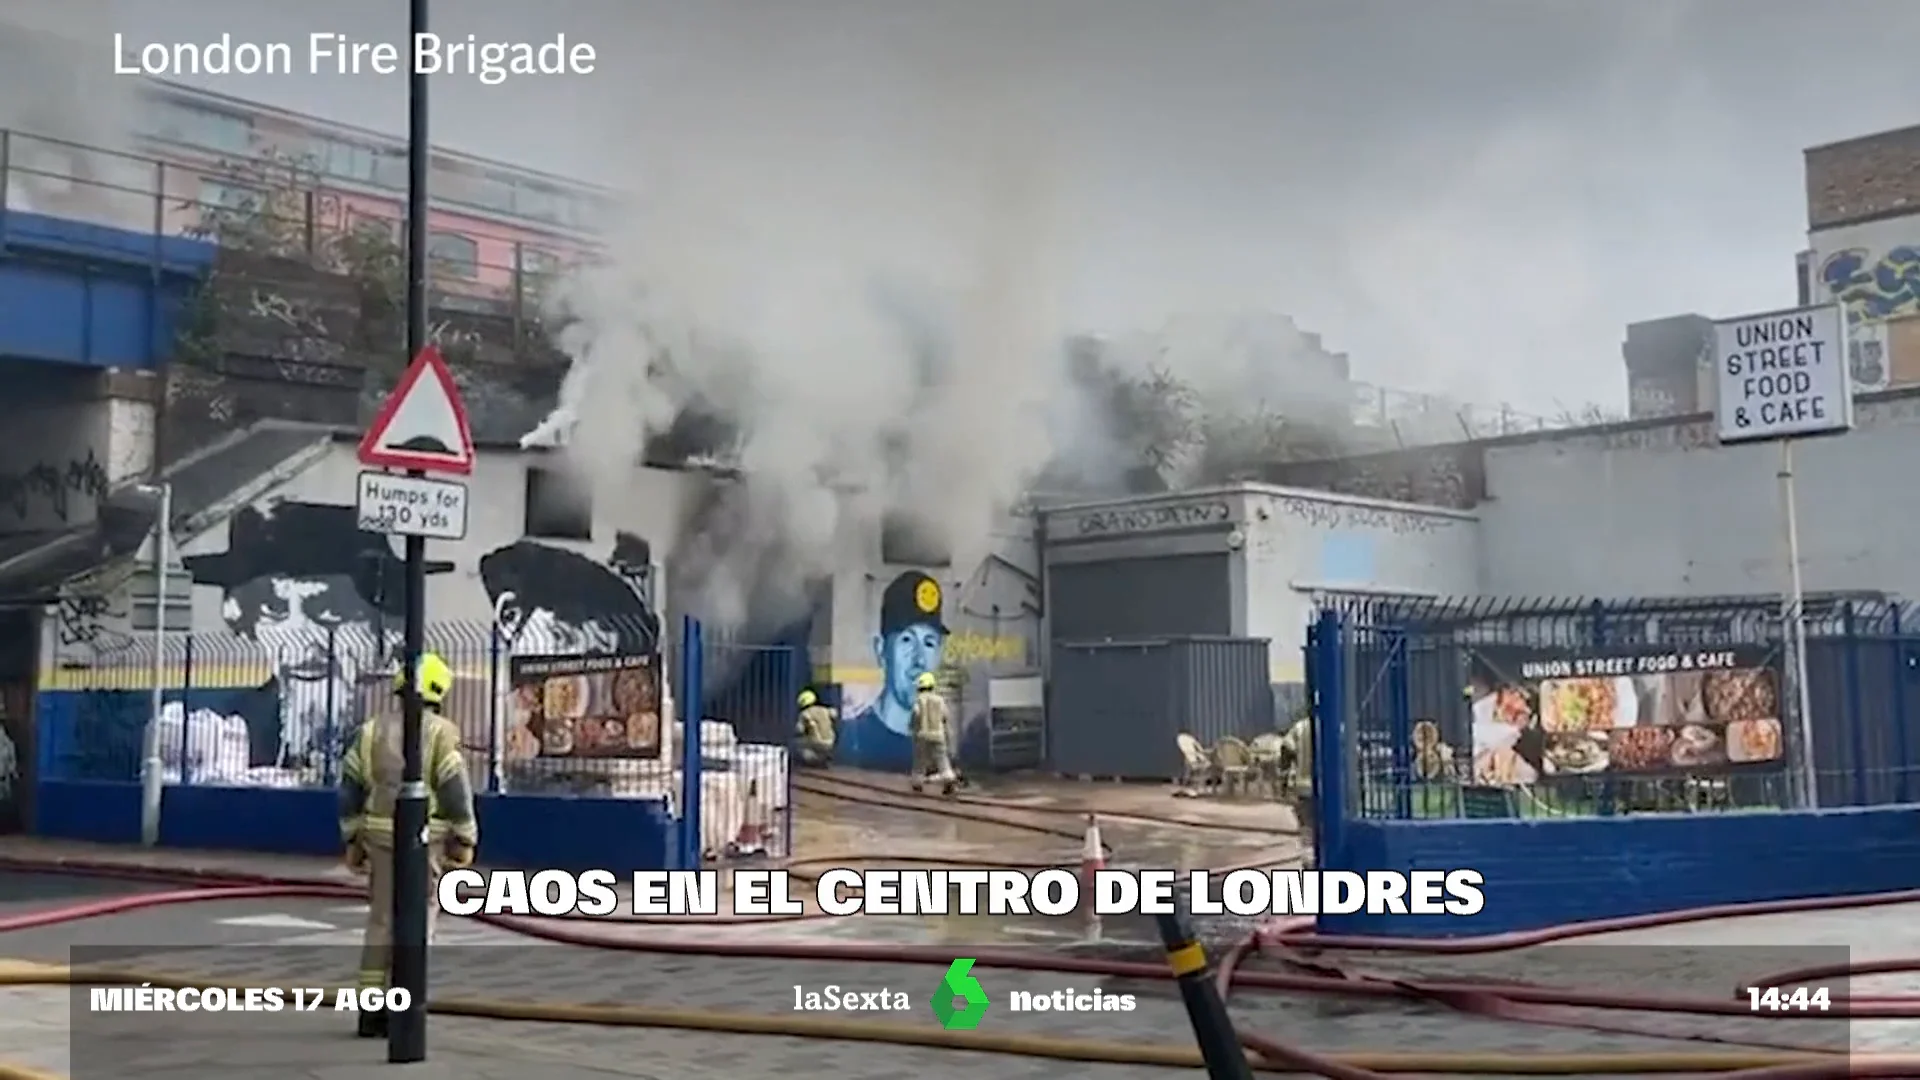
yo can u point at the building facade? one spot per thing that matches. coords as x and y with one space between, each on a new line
492 224
1863 240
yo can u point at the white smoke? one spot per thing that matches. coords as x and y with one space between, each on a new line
864 279
70 117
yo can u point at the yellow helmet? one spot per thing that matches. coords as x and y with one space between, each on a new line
434 679
925 681
807 700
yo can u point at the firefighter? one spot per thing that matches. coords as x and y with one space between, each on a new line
930 758
1296 756
816 731
369 787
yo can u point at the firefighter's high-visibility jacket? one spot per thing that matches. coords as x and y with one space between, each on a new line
816 725
370 782
1299 740
929 720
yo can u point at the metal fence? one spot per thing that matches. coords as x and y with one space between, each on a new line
270 205
1445 708
543 712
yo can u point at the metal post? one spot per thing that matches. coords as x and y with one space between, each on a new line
407 1032
1793 627
1897 665
1212 1027
692 761
150 766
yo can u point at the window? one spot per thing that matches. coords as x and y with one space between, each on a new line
218 194
907 542
390 170
349 161
559 507
542 203
537 263
208 128
362 222
454 254
492 192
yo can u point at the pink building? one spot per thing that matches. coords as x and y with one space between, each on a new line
492 223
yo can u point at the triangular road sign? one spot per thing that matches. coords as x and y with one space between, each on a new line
422 424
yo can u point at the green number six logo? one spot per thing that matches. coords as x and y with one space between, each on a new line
956 987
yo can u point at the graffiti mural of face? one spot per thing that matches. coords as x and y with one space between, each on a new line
313 629
539 631
303 582
911 642
907 654
550 601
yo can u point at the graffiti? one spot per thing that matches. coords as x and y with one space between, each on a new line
1650 398
911 642
274 307
1152 518
54 483
84 621
448 336
1872 292
548 601
970 647
323 600
1335 515
989 626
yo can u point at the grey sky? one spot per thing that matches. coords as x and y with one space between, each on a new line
1469 196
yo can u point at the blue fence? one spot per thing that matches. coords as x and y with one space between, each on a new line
1603 758
267 720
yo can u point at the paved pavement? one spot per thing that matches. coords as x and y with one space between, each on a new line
311 943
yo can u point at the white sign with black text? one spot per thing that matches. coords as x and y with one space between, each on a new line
1783 374
412 506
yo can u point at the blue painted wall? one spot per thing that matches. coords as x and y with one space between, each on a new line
1549 871
85 294
516 831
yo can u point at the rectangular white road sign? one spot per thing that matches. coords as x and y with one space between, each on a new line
1783 374
412 506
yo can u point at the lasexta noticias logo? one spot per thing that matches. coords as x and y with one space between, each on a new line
959 1002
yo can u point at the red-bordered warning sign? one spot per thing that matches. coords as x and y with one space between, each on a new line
422 424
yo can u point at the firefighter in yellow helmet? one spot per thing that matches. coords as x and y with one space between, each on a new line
369 787
931 760
816 731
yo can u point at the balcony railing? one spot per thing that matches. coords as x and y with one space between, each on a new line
266 207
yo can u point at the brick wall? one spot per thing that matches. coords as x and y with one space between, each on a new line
1863 178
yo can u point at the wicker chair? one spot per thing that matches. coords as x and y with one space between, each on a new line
1196 766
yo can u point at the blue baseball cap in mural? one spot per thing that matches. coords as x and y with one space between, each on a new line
912 599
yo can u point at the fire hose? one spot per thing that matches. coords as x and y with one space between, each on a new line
1748 1064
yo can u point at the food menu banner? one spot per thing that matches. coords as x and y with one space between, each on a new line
589 706
1540 714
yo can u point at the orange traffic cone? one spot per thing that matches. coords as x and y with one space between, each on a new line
1093 854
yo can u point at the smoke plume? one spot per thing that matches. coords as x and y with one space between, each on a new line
70 116
861 279
863 273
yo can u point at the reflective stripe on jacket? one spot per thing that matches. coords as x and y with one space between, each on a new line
370 780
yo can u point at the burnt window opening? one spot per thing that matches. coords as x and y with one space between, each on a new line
907 542
559 506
